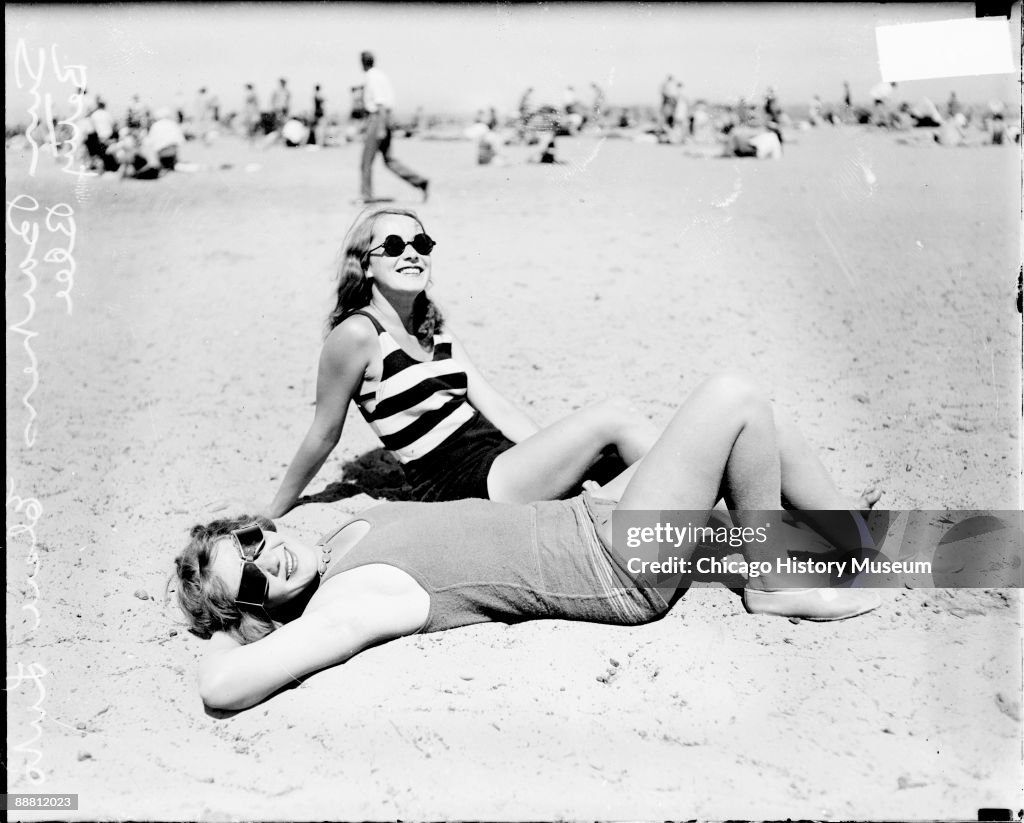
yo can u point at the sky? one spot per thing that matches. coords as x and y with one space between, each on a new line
458 58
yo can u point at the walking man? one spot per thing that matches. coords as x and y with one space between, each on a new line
379 100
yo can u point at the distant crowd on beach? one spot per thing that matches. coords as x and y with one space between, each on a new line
143 144
145 141
744 128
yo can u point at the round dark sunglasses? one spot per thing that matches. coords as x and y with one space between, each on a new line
252 590
394 245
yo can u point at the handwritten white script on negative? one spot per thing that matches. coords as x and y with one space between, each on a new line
49 231
25 215
26 70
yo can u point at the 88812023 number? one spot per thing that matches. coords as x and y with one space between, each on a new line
42 801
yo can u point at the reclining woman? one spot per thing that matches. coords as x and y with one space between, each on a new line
278 609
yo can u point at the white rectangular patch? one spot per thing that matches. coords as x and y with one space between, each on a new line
945 48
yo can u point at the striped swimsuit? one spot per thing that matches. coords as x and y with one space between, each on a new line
421 413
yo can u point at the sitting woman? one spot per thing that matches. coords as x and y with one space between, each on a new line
455 435
277 609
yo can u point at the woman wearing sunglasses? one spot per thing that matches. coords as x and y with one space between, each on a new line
455 435
277 609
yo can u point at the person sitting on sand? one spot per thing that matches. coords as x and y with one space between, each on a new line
950 133
155 154
278 609
750 141
455 435
295 133
996 122
548 154
164 139
99 129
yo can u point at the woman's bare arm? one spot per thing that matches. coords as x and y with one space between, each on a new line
343 362
506 416
353 611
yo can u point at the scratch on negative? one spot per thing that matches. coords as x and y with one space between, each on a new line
843 267
576 168
737 187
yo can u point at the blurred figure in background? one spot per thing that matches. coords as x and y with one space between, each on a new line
251 117
882 113
134 115
281 103
573 111
179 107
752 140
572 100
814 111
667 106
200 109
482 132
681 116
153 155
99 130
996 122
525 113
772 109
295 133
164 139
379 101
597 105
316 131
953 107
700 122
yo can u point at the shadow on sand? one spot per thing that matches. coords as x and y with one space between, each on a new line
376 473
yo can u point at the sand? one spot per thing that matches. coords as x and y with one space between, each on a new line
869 285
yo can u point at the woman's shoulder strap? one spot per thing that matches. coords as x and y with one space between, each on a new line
367 315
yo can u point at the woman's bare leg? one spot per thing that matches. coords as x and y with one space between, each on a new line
554 460
723 436
723 439
806 483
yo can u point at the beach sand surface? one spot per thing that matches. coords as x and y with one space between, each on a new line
869 286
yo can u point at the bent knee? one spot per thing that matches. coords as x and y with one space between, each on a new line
618 408
616 415
736 389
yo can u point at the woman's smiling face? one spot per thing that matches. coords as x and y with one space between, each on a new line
289 565
410 271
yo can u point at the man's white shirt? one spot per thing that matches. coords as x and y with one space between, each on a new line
377 91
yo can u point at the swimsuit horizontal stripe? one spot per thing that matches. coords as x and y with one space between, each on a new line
400 401
415 405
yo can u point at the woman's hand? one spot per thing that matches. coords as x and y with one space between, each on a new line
231 506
